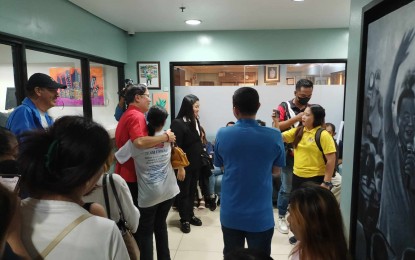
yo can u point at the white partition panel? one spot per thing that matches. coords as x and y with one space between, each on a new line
216 103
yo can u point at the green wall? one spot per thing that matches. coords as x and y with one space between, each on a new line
61 23
233 46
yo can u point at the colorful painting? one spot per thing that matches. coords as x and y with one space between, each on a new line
71 77
162 99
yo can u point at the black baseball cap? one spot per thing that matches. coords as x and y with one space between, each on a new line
43 81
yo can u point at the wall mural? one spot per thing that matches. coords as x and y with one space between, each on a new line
385 225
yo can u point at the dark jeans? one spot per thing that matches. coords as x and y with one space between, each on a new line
185 198
298 181
133 187
153 220
234 239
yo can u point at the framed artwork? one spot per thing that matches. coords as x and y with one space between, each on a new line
148 73
71 77
272 73
290 81
383 196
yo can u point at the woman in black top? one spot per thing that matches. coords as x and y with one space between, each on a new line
187 130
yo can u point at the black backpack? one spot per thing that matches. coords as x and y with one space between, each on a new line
317 139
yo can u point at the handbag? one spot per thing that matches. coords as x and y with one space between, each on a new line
129 240
178 157
206 160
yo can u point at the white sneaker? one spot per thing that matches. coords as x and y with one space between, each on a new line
282 226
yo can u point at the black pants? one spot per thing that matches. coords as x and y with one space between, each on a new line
205 173
298 181
185 198
133 187
153 221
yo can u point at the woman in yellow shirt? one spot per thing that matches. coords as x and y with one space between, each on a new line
309 163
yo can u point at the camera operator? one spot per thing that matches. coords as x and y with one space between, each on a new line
122 106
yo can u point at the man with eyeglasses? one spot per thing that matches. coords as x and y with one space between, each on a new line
42 93
133 126
290 114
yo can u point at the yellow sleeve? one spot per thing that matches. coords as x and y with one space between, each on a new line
289 135
327 143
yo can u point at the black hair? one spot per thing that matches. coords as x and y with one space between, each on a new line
332 127
303 83
64 157
230 123
134 90
186 109
156 117
319 114
246 100
7 207
6 137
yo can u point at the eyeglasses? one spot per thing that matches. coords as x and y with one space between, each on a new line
147 95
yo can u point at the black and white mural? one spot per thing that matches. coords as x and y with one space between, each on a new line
385 227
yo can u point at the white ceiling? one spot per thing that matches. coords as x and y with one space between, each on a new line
165 15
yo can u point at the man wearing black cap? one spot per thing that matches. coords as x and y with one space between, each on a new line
42 92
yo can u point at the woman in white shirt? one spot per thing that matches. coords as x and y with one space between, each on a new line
157 187
131 213
58 166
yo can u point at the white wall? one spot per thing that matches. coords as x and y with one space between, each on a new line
216 103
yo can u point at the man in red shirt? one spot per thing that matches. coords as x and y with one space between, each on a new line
133 126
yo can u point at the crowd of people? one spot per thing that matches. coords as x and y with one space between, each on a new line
68 204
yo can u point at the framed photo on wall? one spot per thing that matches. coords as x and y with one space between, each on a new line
272 73
148 72
290 81
383 195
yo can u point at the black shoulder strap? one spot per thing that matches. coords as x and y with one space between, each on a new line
114 190
104 186
317 139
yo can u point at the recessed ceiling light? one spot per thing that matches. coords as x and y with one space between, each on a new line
193 22
298 0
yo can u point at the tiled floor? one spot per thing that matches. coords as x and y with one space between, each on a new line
205 242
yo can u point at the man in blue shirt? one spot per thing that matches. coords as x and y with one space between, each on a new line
249 154
42 92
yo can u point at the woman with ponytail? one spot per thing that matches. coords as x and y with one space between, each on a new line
309 162
157 186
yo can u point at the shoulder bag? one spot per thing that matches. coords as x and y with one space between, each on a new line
62 235
178 157
131 244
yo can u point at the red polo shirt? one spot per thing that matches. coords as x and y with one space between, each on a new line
131 126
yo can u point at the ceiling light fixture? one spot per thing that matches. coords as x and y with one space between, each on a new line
193 22
298 0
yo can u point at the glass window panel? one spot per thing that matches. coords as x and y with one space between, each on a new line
64 70
104 98
215 85
259 74
7 87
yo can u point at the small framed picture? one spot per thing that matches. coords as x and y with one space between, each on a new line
290 81
148 73
272 73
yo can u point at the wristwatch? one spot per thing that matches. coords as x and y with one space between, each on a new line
328 184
